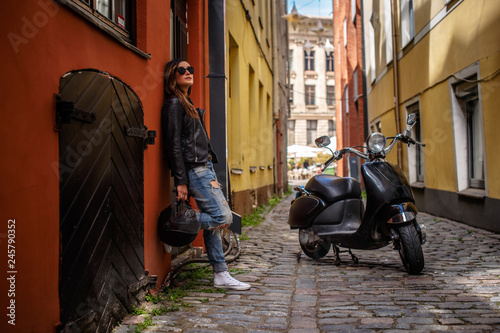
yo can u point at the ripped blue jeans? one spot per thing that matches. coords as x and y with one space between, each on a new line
213 211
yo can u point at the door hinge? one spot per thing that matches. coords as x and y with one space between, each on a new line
147 136
65 111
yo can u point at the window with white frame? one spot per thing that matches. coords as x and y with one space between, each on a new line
310 95
407 22
116 18
291 94
113 15
331 128
468 131
415 152
329 62
308 60
290 59
330 95
312 126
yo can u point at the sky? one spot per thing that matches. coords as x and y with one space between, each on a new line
312 7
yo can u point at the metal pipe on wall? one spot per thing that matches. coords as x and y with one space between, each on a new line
396 81
217 87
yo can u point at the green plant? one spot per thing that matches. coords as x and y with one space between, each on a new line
136 311
174 295
253 219
200 273
153 299
274 201
157 312
145 324
257 215
193 278
164 309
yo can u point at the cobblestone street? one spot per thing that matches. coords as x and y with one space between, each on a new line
459 289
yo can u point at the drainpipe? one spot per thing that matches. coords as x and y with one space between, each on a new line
363 59
217 87
396 82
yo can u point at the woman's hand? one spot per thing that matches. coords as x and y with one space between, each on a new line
182 192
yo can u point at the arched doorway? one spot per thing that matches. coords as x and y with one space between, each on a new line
101 143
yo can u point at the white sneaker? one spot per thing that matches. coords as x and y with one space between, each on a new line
224 280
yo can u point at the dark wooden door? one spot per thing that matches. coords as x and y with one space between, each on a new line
101 200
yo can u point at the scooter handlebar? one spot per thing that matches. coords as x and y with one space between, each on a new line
407 139
327 163
403 138
337 155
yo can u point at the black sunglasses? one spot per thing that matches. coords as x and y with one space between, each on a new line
182 70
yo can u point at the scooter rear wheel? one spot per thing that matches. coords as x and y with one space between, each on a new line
410 249
313 248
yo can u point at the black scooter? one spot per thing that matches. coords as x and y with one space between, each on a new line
330 210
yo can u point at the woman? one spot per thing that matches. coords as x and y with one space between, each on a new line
190 157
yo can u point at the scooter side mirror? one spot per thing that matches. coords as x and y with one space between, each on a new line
411 119
322 141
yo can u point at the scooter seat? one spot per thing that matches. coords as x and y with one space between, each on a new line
332 188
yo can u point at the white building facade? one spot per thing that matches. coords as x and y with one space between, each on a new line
312 81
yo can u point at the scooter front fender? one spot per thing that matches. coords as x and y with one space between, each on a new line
406 213
400 213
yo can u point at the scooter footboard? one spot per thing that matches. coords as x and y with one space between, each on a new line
349 212
303 210
342 218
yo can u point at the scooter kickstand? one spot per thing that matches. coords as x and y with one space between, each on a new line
336 250
354 258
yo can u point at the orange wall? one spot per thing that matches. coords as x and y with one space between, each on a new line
53 41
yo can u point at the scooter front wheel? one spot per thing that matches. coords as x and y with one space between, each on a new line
313 246
410 249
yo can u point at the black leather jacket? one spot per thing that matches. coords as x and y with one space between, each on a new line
185 140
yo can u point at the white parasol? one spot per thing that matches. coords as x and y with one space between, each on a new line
298 151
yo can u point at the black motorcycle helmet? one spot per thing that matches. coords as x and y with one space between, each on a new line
178 225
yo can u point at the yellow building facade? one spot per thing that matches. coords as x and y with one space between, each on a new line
252 113
440 60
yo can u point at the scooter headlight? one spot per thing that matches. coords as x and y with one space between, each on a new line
376 143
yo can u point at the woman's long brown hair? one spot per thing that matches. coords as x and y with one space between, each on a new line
171 88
